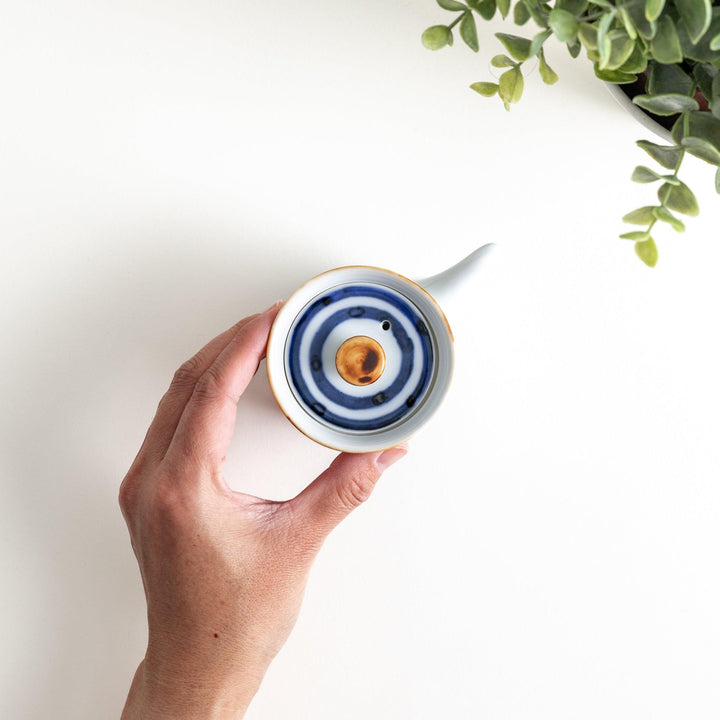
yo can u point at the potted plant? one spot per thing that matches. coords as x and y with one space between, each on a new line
665 54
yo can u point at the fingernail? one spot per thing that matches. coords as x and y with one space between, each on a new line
391 456
275 306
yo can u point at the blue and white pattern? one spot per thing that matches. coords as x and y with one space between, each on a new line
348 311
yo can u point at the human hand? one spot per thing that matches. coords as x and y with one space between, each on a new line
223 572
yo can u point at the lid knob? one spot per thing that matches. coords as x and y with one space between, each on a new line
360 360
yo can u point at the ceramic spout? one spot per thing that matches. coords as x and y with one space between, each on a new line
445 285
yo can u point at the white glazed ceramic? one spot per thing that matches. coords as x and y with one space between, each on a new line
640 115
393 317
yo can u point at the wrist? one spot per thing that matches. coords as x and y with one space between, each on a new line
160 694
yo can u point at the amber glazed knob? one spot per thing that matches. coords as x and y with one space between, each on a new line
360 360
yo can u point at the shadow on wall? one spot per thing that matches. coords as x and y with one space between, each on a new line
102 350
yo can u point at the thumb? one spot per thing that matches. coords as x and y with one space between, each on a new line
335 493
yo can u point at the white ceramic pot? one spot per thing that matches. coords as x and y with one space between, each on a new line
359 358
640 115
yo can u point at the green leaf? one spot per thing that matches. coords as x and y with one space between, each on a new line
678 197
468 31
628 23
487 89
574 48
520 13
621 48
503 7
699 124
537 42
486 9
538 12
511 86
704 75
604 49
715 42
518 47
666 216
697 15
603 41
668 104
502 61
548 75
636 63
665 46
645 28
637 235
452 5
641 216
564 25
700 51
715 95
587 34
436 37
574 7
717 181
702 148
653 8
647 252
642 174
666 155
664 79
614 76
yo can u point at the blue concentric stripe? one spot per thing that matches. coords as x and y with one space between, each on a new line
329 392
350 401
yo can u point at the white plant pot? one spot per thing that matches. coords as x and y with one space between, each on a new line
640 115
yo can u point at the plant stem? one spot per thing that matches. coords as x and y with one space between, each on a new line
678 163
668 190
456 21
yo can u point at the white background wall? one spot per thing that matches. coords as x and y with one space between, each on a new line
548 549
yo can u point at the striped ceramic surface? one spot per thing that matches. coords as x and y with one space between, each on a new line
368 311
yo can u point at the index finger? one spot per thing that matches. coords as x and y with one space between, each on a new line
207 423
163 426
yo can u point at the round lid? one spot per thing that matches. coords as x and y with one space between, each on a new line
359 358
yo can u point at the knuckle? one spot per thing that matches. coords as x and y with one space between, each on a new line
127 495
356 490
168 506
208 386
187 374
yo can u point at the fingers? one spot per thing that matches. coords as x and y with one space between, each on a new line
173 403
345 485
207 422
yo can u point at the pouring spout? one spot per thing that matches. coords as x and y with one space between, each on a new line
448 283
